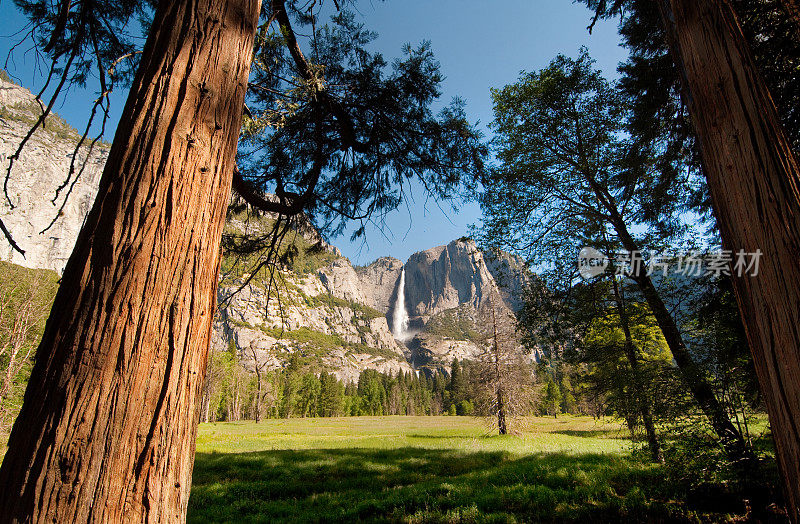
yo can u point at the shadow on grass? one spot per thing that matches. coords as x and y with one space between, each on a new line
592 433
413 484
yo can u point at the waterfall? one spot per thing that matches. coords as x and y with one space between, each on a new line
400 318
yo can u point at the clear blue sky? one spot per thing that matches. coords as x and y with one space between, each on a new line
480 44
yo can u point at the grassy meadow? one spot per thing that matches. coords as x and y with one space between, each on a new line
430 469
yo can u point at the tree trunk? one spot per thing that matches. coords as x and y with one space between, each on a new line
735 446
258 394
108 425
498 377
501 414
638 384
694 377
204 410
753 179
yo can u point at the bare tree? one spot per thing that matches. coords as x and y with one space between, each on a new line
502 379
23 309
262 386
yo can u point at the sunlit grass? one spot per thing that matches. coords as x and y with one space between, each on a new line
565 434
425 469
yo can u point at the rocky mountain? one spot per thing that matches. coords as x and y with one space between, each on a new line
379 281
344 317
318 307
34 199
447 291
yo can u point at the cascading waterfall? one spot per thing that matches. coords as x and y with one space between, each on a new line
400 317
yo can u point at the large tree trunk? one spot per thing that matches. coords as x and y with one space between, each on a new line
753 178
108 425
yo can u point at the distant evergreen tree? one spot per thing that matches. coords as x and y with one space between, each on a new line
458 383
552 398
568 403
331 397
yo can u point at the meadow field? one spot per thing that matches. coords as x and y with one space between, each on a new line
432 469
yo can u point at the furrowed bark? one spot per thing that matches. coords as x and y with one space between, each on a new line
754 182
107 429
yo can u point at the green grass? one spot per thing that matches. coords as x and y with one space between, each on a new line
425 469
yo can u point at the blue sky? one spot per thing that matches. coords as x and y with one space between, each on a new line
480 44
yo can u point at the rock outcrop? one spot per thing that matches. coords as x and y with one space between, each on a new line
511 276
449 290
379 282
445 277
320 315
37 174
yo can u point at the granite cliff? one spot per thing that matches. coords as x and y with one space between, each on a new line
40 170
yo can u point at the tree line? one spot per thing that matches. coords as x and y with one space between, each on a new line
232 392
298 390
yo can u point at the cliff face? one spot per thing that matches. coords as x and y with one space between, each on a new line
511 276
40 170
448 291
318 315
445 277
314 307
379 281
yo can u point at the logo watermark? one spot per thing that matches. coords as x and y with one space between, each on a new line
593 263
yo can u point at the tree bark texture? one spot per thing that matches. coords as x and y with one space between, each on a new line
107 429
753 179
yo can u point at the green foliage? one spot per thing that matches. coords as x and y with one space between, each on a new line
358 126
551 400
317 344
26 296
454 324
465 408
300 256
568 402
459 383
660 119
28 113
610 370
361 311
